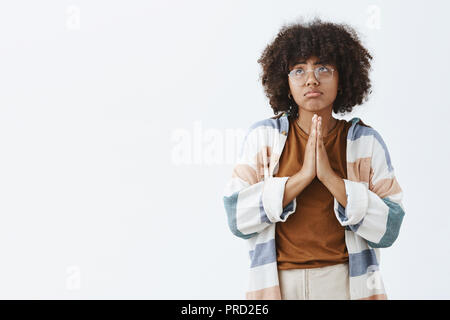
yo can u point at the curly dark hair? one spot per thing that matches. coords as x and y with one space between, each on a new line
335 44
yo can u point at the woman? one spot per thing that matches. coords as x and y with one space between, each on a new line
314 196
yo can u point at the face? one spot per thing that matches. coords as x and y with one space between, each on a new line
326 85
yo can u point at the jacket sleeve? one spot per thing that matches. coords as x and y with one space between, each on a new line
374 211
253 201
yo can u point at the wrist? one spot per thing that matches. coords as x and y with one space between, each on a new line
329 178
306 176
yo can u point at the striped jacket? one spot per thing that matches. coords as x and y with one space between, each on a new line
372 218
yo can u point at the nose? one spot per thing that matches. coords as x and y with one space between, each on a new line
311 79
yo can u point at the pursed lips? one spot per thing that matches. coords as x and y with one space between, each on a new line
313 91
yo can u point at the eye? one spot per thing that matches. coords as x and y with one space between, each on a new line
323 69
298 71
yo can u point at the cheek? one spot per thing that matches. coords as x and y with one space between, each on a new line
330 96
331 90
292 88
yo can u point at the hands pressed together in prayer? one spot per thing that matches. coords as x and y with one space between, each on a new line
316 163
316 159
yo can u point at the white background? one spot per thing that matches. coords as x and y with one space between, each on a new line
100 99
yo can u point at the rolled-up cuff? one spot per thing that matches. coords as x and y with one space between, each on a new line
272 198
357 203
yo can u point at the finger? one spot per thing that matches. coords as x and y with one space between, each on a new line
313 131
319 133
312 137
313 123
314 134
319 128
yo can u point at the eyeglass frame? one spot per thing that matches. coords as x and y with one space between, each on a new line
315 70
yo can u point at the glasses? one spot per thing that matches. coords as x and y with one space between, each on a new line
322 73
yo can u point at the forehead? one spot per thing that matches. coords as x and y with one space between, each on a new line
313 60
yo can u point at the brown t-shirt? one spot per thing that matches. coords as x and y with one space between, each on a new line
312 237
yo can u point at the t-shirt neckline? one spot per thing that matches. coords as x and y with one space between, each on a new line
330 135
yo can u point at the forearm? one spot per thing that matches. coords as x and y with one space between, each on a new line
336 186
294 186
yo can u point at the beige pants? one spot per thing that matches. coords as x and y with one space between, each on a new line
324 283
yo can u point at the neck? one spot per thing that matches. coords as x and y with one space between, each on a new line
304 120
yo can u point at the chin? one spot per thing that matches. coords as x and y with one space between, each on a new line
314 106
